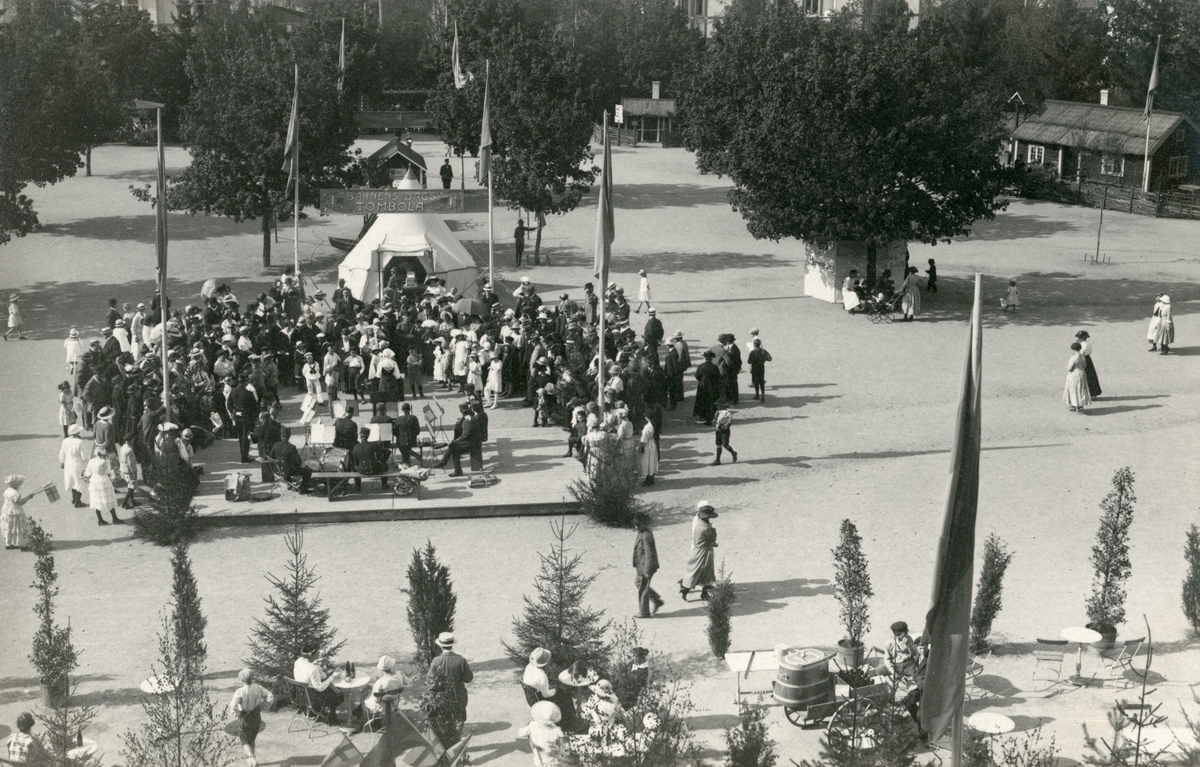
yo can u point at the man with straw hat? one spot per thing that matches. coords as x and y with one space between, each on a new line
456 672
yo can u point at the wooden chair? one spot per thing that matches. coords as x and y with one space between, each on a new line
306 712
1049 655
1121 658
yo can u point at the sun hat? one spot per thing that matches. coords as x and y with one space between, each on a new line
652 311
445 640
106 331
524 280
708 513
186 434
678 334
386 663
14 480
546 712
74 430
120 323
13 297
73 333
603 688
105 412
540 657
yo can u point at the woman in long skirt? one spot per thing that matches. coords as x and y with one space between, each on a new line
66 406
247 705
1085 348
701 565
1075 392
648 449
1155 321
1164 334
12 515
101 495
494 384
911 288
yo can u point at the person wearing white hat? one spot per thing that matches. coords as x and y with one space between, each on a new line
603 710
73 458
701 565
102 496
1164 333
546 739
387 687
74 350
13 522
643 291
246 704
455 670
15 321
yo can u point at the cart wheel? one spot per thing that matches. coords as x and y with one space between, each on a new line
794 715
403 487
852 729
887 317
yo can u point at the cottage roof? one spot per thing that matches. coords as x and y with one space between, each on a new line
1097 127
649 107
397 147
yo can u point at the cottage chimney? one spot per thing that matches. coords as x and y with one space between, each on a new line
1104 97
654 89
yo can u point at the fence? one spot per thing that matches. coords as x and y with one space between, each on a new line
618 136
1172 204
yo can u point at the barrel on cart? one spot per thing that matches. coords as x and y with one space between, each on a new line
804 681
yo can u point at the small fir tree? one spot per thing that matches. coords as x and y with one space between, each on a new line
295 622
749 744
431 604
609 495
187 621
720 613
53 656
556 617
182 728
1191 583
438 707
852 585
63 726
1110 556
996 558
170 517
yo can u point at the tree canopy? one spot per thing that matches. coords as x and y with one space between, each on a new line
836 130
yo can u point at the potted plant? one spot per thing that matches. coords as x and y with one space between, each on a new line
852 588
1110 559
53 655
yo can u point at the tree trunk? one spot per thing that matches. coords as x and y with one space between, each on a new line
87 160
266 233
871 253
537 245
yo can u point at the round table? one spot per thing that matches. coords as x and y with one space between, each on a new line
1083 636
87 749
158 685
991 723
355 690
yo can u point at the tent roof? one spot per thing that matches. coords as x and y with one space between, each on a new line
1096 126
397 147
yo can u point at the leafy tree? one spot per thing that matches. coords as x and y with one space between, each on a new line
53 656
295 622
39 138
431 603
1134 26
556 617
1110 555
1191 583
996 558
235 123
852 584
844 130
182 729
187 621
720 614
170 516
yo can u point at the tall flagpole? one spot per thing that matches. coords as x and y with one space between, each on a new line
161 241
491 239
1149 113
296 203
603 276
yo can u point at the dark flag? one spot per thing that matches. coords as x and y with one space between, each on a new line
947 624
605 225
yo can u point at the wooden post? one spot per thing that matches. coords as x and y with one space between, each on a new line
1101 224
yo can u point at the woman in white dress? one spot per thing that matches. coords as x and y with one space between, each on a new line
495 383
911 288
1075 392
1155 321
439 362
850 299
13 521
462 360
648 448
474 374
1164 334
546 738
626 439
643 291
102 496
74 348
66 406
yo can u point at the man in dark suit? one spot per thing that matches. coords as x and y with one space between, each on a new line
288 457
243 409
367 457
267 433
406 432
345 430
645 562
466 440
652 336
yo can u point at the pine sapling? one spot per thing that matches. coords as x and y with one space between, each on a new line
187 621
431 603
720 613
1110 556
996 558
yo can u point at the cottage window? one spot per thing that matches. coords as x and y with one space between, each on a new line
812 7
1177 166
1112 165
1037 154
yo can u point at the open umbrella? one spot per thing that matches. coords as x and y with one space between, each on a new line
471 306
429 323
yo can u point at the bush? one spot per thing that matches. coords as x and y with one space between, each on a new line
720 612
1110 556
171 517
431 604
1191 584
53 655
627 683
749 743
556 617
996 558
852 584
1038 182
441 711
295 621
609 495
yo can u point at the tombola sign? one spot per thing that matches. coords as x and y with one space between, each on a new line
381 201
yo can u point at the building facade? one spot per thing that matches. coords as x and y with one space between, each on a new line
703 14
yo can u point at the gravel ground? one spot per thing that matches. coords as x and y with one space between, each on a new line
857 424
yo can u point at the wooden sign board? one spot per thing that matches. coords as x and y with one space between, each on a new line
362 202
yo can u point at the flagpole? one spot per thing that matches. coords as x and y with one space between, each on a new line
296 203
487 78
161 239
603 276
1149 114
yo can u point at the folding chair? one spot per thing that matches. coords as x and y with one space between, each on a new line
305 710
975 665
1049 655
282 483
1121 658
435 436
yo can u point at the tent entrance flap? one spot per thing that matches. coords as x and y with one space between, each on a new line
393 264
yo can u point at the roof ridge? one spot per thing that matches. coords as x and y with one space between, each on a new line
1112 106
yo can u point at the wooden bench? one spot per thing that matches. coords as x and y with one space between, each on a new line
338 482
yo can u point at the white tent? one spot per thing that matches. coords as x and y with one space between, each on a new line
420 242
